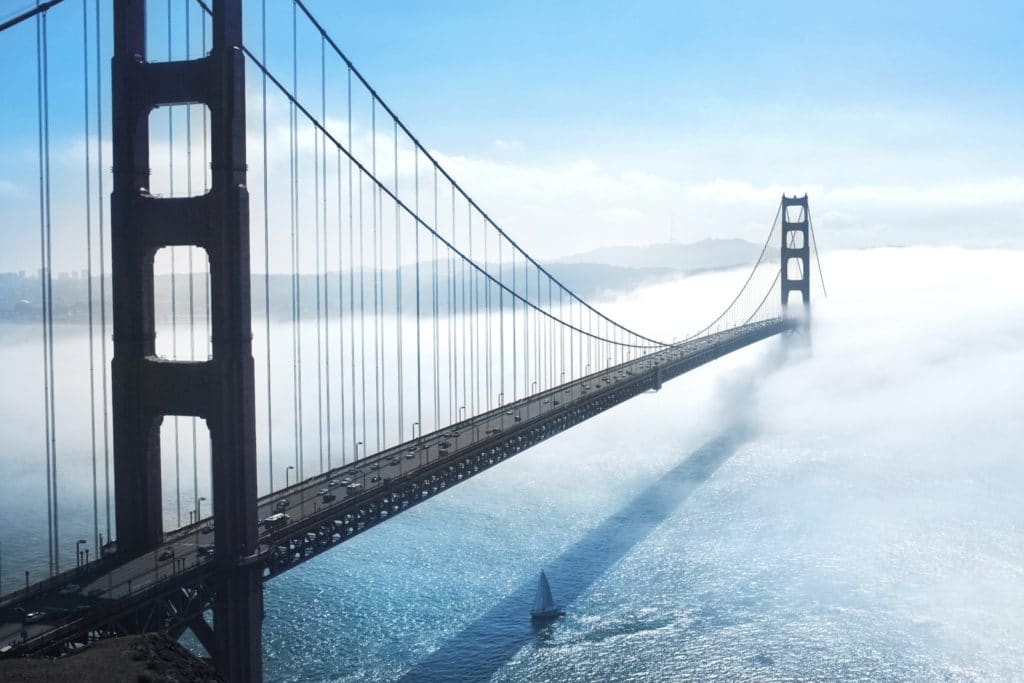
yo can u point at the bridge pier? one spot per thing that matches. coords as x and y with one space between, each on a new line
220 390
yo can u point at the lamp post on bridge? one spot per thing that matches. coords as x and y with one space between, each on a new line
78 552
358 444
287 474
199 507
416 442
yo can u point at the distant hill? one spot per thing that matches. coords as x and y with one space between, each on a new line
706 254
600 279
595 274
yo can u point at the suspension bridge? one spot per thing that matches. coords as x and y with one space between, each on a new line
293 313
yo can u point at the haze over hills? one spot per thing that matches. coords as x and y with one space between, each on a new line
707 254
592 275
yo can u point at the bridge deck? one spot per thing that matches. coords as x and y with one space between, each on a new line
181 572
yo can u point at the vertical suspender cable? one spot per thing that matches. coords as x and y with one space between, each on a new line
351 283
473 360
515 335
318 229
49 389
266 257
342 412
323 230
174 288
501 322
376 270
207 322
419 343
291 218
453 385
436 312
103 275
296 261
398 298
487 306
362 312
42 284
191 250
88 274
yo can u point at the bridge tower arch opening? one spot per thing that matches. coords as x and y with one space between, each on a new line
220 389
795 253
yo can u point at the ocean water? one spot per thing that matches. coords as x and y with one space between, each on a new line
846 510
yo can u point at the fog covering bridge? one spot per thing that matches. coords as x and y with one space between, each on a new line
425 345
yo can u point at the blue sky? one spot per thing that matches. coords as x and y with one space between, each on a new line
580 124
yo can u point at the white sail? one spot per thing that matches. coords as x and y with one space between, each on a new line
543 602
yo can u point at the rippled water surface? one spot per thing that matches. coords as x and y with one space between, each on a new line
852 511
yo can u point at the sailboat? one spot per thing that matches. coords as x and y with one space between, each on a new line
544 607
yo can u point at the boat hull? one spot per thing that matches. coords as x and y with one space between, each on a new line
546 616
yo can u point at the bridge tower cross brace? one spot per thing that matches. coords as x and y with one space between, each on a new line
220 390
796 250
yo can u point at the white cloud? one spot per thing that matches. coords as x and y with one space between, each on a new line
501 146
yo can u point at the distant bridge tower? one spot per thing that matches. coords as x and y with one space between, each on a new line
796 250
220 390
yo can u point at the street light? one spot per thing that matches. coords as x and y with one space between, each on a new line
78 553
358 444
287 472
199 507
415 426
462 413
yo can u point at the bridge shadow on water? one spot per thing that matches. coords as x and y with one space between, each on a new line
495 637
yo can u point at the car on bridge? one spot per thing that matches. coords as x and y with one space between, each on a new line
276 521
